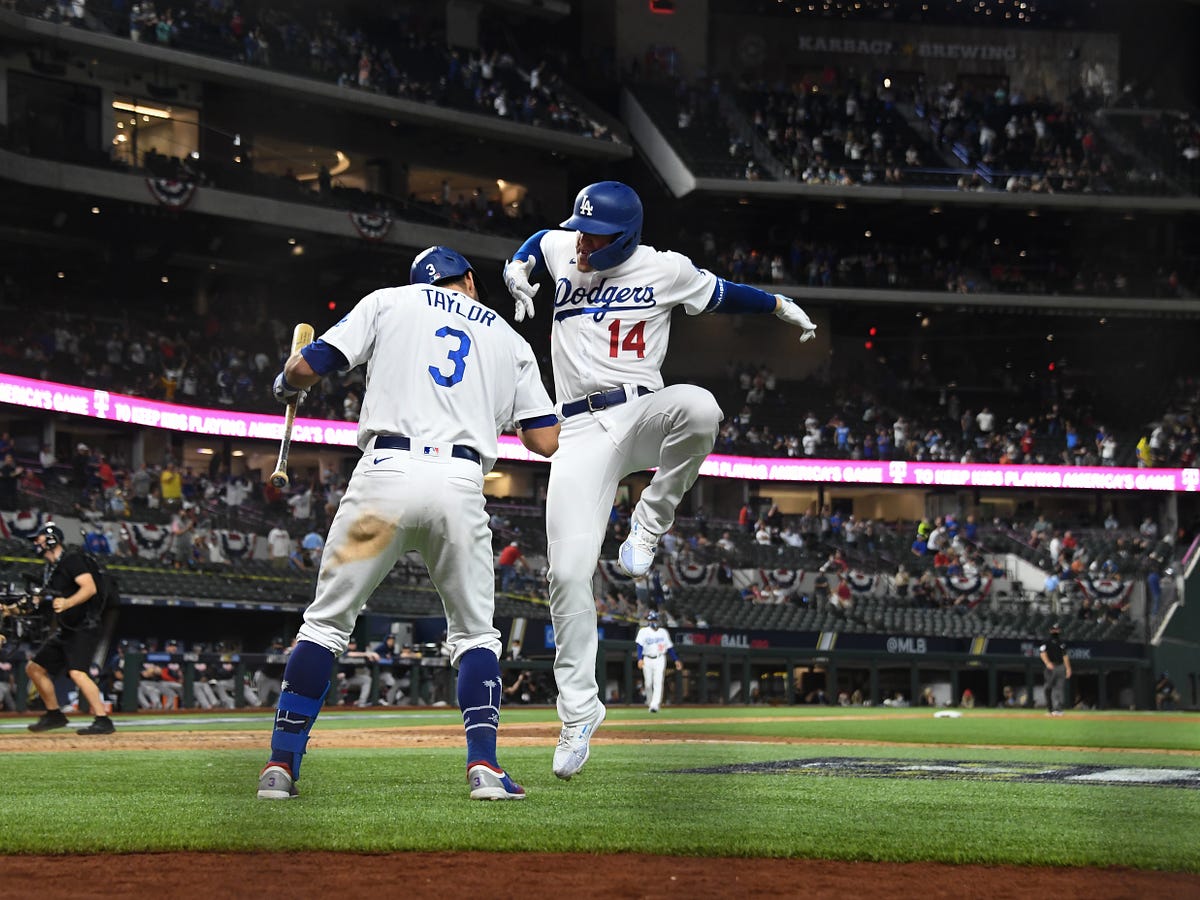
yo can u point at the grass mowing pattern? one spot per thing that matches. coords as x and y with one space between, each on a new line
630 797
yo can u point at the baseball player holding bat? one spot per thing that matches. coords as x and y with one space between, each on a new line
654 646
445 374
612 306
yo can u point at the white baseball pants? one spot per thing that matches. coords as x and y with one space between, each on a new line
673 429
397 502
653 668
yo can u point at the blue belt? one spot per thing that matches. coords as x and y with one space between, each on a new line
598 400
400 442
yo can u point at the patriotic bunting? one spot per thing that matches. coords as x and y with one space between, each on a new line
1107 589
22 523
860 582
236 544
692 574
149 541
171 192
370 226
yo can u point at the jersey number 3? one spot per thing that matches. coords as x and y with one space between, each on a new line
458 356
634 342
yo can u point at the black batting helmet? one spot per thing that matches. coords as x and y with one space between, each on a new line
53 535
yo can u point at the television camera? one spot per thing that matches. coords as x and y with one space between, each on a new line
21 617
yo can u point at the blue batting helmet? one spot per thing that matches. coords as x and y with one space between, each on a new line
437 264
609 207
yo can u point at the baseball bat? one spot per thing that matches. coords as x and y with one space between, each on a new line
301 337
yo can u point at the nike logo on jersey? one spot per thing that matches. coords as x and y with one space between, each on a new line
602 298
380 459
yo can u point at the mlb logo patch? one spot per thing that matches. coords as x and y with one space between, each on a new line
438 452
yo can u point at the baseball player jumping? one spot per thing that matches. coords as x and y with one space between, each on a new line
613 300
445 374
654 646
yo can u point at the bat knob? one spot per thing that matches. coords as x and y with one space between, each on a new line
280 481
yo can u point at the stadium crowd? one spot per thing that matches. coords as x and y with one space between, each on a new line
842 128
400 54
912 412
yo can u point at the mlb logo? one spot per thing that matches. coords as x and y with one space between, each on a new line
434 452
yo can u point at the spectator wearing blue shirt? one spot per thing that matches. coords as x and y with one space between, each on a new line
970 529
314 544
841 436
835 526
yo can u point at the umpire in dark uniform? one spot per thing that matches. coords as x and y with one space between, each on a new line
1058 670
71 588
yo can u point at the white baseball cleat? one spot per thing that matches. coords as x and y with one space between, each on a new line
636 555
276 783
489 783
574 746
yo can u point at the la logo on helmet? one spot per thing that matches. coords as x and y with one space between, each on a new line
585 206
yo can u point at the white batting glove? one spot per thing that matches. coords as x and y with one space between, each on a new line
516 279
791 313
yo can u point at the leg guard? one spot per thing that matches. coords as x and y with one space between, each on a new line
479 693
294 719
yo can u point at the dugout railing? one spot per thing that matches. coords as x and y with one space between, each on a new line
786 676
723 676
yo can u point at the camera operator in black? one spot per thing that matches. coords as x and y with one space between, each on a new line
71 586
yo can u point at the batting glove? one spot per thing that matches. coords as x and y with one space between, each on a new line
516 279
791 313
285 393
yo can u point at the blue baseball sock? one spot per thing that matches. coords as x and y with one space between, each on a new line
479 693
305 684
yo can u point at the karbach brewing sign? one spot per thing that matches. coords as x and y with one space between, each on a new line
920 49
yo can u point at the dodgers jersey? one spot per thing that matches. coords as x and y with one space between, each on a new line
654 641
441 367
611 327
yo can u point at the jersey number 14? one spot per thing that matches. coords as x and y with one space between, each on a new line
634 341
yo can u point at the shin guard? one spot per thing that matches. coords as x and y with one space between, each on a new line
294 718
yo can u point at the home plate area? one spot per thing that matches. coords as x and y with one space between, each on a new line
961 770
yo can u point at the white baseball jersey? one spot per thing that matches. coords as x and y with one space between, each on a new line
442 369
655 642
466 373
611 327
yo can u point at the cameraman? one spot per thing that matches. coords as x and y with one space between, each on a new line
71 586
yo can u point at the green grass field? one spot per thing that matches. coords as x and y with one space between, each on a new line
852 784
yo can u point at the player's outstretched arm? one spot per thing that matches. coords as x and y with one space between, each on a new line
789 311
733 298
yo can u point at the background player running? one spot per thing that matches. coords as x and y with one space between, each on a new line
654 646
